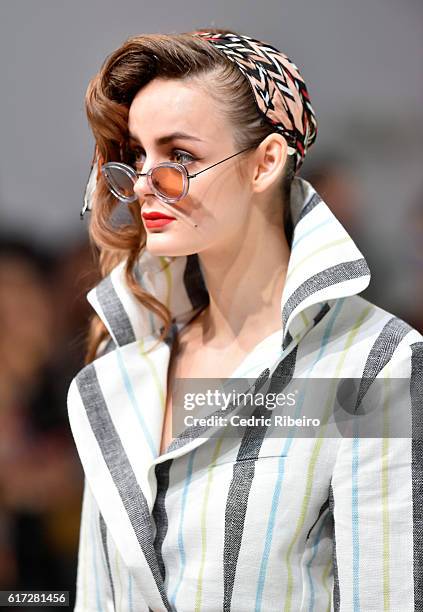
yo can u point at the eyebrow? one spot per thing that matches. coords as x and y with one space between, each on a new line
165 139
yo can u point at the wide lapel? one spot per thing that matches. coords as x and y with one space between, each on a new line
325 263
116 407
116 436
116 403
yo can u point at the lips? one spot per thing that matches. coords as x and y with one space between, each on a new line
156 215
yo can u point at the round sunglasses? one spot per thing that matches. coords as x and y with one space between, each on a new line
169 181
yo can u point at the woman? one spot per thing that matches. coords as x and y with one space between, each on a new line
253 279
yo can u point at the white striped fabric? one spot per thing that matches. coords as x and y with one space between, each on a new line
257 522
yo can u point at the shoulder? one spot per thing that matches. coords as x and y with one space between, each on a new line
363 339
376 324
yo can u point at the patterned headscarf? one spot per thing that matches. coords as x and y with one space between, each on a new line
279 90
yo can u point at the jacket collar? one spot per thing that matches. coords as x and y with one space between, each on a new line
325 264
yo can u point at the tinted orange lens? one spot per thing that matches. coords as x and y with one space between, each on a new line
168 181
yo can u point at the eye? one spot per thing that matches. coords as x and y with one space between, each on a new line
135 156
182 154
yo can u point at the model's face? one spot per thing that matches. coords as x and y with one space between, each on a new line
218 199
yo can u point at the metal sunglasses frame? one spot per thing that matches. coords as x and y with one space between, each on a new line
133 175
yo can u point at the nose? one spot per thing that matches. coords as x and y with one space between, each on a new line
142 186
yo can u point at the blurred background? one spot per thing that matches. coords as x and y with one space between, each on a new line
362 65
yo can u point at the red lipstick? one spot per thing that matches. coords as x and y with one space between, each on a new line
156 219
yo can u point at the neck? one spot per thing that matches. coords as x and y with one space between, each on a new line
245 281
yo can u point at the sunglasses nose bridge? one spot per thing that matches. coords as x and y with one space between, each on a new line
143 183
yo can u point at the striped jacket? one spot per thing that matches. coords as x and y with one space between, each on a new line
255 522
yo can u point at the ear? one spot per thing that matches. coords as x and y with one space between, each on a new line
269 162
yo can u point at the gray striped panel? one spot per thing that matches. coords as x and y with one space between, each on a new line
120 469
332 276
416 391
319 316
287 340
114 312
336 593
314 201
194 282
103 531
242 479
381 352
159 510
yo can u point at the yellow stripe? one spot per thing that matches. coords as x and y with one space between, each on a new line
326 571
385 493
141 345
329 245
159 387
314 456
84 562
304 318
199 593
117 563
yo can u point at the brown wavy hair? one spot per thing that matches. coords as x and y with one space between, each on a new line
109 95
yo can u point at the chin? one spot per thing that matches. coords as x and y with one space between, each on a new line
161 245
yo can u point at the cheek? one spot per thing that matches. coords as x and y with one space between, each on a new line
224 201
219 206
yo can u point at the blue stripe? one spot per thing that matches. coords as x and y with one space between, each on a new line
310 231
94 548
130 592
272 515
269 533
140 280
354 525
276 492
325 339
181 526
134 403
315 548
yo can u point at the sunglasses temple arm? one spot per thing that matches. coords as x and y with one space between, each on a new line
217 163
